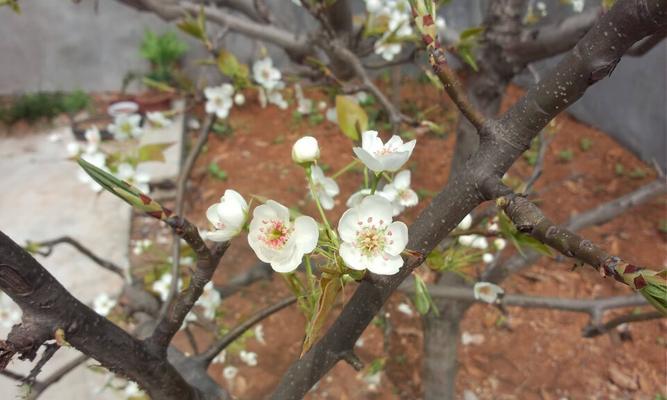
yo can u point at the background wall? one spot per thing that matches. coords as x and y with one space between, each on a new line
56 44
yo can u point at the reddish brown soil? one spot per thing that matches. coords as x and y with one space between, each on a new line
541 356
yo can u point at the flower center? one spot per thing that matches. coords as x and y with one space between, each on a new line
371 240
275 233
384 151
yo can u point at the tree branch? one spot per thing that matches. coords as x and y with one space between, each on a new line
207 356
593 330
507 138
50 244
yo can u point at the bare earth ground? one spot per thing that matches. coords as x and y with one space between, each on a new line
539 354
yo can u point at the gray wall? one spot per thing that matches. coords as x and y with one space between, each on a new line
56 44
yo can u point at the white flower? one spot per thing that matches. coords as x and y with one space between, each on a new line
102 304
10 313
332 115
370 239
163 285
73 149
387 50
129 174
239 99
157 119
400 193
248 357
440 23
141 245
227 217
322 105
500 243
93 138
126 126
578 5
132 389
305 150
468 338
230 372
220 358
379 157
209 301
361 96
55 137
279 241
304 105
275 97
259 333
475 241
265 74
356 197
374 6
405 309
219 100
542 8
488 292
465 223
488 258
323 187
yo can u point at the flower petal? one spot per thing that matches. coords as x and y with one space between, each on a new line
369 160
408 198
371 142
306 233
402 180
348 225
396 238
385 264
212 214
352 256
375 208
280 210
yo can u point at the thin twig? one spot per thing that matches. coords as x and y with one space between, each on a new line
215 349
594 330
180 198
455 89
50 244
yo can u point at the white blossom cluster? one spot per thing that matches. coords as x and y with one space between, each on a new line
398 16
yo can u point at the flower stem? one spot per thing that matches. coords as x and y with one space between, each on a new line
345 169
376 180
309 275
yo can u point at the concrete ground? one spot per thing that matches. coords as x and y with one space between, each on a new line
42 199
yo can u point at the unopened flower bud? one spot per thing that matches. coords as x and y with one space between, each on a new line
305 150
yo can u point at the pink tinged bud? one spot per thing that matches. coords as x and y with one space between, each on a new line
639 282
427 39
631 268
427 20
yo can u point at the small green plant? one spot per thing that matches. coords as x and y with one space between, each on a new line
637 173
34 106
215 171
619 169
222 129
565 155
164 52
585 144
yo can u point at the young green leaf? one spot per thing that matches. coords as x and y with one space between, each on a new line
352 119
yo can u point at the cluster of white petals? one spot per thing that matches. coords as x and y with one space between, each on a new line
378 156
126 126
324 187
163 285
278 240
370 239
304 105
578 5
227 217
488 292
270 81
400 193
219 100
209 301
103 303
157 119
398 15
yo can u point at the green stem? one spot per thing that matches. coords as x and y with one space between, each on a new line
376 180
309 275
345 169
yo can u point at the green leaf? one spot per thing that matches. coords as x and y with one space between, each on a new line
216 172
330 287
229 65
194 27
128 193
471 33
352 119
153 152
423 300
466 53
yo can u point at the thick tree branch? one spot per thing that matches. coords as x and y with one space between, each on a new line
590 61
550 40
48 308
